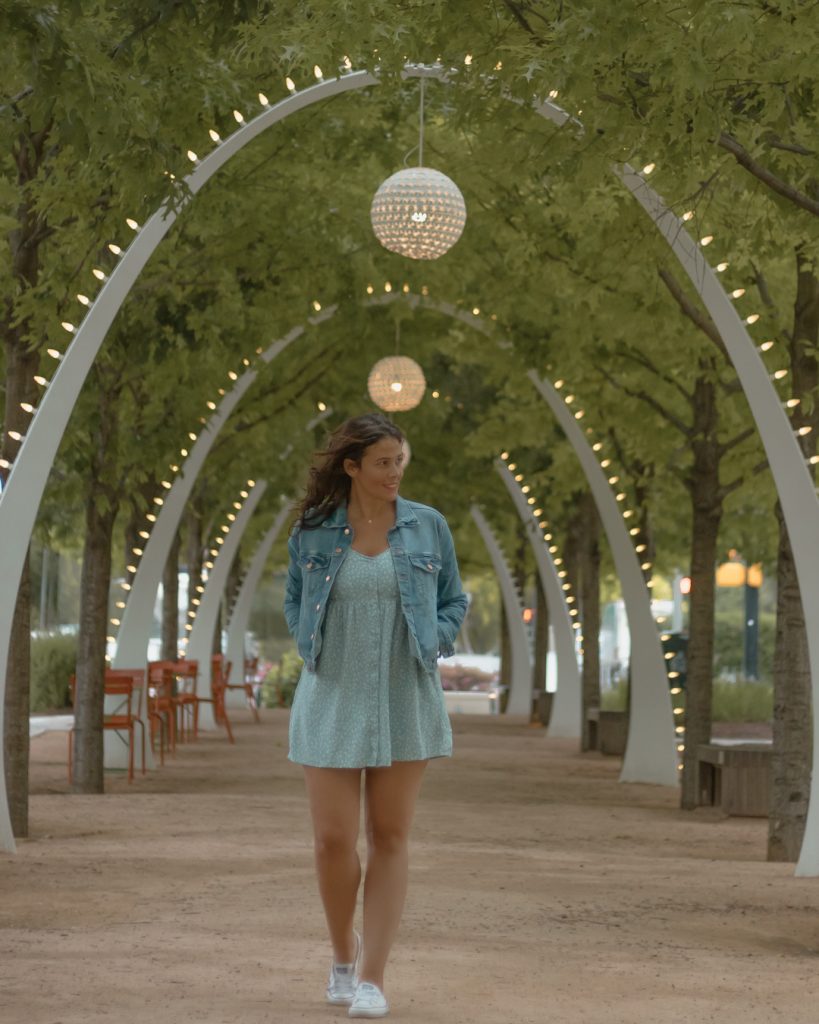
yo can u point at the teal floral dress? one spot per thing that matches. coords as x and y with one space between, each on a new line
370 701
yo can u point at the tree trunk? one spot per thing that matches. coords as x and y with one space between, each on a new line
17 708
590 608
541 645
100 515
505 679
706 505
21 365
170 603
792 732
101 507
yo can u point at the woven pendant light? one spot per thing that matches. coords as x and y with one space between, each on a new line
396 383
418 212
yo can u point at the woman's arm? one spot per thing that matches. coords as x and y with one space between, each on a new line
292 594
452 601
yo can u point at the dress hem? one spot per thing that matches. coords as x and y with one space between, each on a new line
429 757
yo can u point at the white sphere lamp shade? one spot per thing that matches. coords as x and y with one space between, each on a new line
396 384
419 213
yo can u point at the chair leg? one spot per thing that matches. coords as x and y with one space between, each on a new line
251 700
70 753
131 752
142 728
226 722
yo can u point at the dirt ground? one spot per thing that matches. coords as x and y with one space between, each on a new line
541 890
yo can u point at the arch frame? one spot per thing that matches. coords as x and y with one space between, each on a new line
26 483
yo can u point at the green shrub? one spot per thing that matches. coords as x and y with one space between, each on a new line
615 698
745 701
53 660
279 685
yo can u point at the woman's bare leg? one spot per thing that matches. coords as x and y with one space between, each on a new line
390 795
335 807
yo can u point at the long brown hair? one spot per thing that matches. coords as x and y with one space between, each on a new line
328 484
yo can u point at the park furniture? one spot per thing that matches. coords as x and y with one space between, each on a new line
124 719
187 699
219 672
735 777
251 667
162 704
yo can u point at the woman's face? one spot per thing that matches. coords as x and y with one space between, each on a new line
381 469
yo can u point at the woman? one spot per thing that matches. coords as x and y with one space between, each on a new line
373 596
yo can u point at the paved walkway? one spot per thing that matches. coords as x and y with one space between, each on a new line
541 891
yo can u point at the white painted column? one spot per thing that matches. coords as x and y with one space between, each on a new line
237 626
567 706
794 484
520 687
200 642
651 754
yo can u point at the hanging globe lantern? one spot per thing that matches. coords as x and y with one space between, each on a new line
396 384
419 213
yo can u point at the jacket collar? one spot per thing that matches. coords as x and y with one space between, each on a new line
404 516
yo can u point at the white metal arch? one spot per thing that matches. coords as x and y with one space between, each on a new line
240 614
566 717
24 489
650 755
200 644
519 701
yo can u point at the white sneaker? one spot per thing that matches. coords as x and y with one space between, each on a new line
368 1001
342 981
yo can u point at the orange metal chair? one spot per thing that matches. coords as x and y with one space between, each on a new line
218 674
251 664
187 673
162 704
124 719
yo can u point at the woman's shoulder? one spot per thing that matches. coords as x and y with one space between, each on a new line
426 511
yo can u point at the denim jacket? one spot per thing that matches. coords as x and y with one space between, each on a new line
423 554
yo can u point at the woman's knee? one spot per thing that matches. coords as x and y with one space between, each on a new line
333 843
386 839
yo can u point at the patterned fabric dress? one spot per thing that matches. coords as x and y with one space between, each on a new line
370 701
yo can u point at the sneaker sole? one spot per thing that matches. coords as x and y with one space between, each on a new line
339 1000
369 1013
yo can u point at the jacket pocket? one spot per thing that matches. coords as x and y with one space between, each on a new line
315 562
427 563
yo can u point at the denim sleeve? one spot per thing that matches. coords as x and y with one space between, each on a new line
452 601
292 594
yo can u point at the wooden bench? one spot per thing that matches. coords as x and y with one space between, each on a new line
735 777
612 732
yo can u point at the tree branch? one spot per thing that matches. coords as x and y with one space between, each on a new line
698 318
776 184
737 440
743 478
642 396
642 360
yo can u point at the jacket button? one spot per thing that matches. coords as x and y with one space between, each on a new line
327 577
312 636
309 565
347 531
318 606
429 565
337 550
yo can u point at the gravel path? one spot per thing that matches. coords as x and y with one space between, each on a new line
541 891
